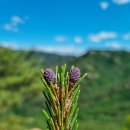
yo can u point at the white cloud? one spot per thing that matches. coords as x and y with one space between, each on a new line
104 5
63 50
126 36
102 36
14 23
17 20
9 44
10 27
114 45
78 39
7 26
121 2
60 39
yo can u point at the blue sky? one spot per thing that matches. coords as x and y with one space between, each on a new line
65 26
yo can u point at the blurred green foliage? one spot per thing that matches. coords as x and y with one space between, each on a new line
127 123
104 99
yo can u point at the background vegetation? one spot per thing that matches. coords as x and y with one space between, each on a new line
105 93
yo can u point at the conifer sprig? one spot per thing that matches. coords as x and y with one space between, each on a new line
61 92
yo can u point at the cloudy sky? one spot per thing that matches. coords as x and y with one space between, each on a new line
65 26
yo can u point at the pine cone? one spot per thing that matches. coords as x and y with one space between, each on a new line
49 76
74 74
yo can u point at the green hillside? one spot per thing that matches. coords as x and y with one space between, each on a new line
105 94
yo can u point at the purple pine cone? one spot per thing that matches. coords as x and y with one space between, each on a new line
74 74
49 76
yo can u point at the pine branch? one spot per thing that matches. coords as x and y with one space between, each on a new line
61 92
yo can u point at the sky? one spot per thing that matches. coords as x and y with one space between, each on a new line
68 27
